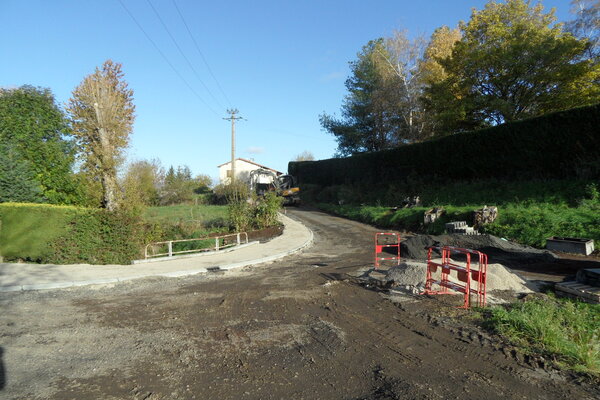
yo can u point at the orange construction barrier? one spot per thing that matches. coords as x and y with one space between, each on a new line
470 275
393 240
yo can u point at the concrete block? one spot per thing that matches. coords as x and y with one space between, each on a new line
570 245
461 228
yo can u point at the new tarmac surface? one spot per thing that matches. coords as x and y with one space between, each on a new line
20 276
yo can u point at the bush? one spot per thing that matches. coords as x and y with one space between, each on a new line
97 236
246 211
240 216
266 209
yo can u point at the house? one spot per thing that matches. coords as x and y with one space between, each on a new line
243 168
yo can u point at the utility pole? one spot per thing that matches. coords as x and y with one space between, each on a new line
233 118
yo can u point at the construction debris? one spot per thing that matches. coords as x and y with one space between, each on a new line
432 215
484 216
460 228
586 287
411 202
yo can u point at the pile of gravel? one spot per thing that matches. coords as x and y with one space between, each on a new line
411 277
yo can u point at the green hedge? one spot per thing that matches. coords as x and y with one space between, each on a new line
27 230
557 145
64 234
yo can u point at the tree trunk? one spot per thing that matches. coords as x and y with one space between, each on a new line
109 189
109 175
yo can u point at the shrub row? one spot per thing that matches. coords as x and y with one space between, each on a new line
556 145
58 234
27 230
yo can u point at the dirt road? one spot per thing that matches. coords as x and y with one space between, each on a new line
294 329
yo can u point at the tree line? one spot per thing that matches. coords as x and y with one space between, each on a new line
76 155
510 61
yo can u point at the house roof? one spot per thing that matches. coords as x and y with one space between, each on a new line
252 162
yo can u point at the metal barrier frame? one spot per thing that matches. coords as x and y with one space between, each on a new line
465 273
379 248
218 246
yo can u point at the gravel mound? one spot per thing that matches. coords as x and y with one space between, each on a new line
411 276
498 250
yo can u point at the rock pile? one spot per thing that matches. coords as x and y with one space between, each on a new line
411 276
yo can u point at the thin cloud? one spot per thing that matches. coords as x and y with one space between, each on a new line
255 150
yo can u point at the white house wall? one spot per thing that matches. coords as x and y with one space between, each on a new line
242 172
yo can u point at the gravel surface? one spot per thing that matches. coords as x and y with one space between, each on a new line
298 328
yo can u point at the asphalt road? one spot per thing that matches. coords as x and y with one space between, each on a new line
298 328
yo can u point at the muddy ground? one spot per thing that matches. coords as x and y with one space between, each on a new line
299 328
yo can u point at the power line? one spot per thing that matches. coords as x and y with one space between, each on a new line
182 53
166 59
200 52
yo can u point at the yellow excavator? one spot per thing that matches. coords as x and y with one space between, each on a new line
263 180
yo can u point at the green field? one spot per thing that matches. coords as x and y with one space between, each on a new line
206 215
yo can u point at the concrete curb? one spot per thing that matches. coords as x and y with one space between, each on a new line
172 274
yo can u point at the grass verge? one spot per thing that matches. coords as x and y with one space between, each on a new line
565 330
525 219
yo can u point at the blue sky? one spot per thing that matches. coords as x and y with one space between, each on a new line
281 63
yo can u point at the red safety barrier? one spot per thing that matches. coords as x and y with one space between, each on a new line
379 248
470 274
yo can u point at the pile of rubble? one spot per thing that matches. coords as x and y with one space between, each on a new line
481 217
410 276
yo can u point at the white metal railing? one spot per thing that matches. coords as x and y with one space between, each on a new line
220 242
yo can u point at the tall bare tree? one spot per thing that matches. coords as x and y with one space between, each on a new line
306 155
102 111
586 25
401 67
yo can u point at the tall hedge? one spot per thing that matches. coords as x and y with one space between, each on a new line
557 145
64 234
27 230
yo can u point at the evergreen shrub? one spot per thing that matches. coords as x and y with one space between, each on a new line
65 234
558 145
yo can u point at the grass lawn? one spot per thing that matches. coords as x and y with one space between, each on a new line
208 216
